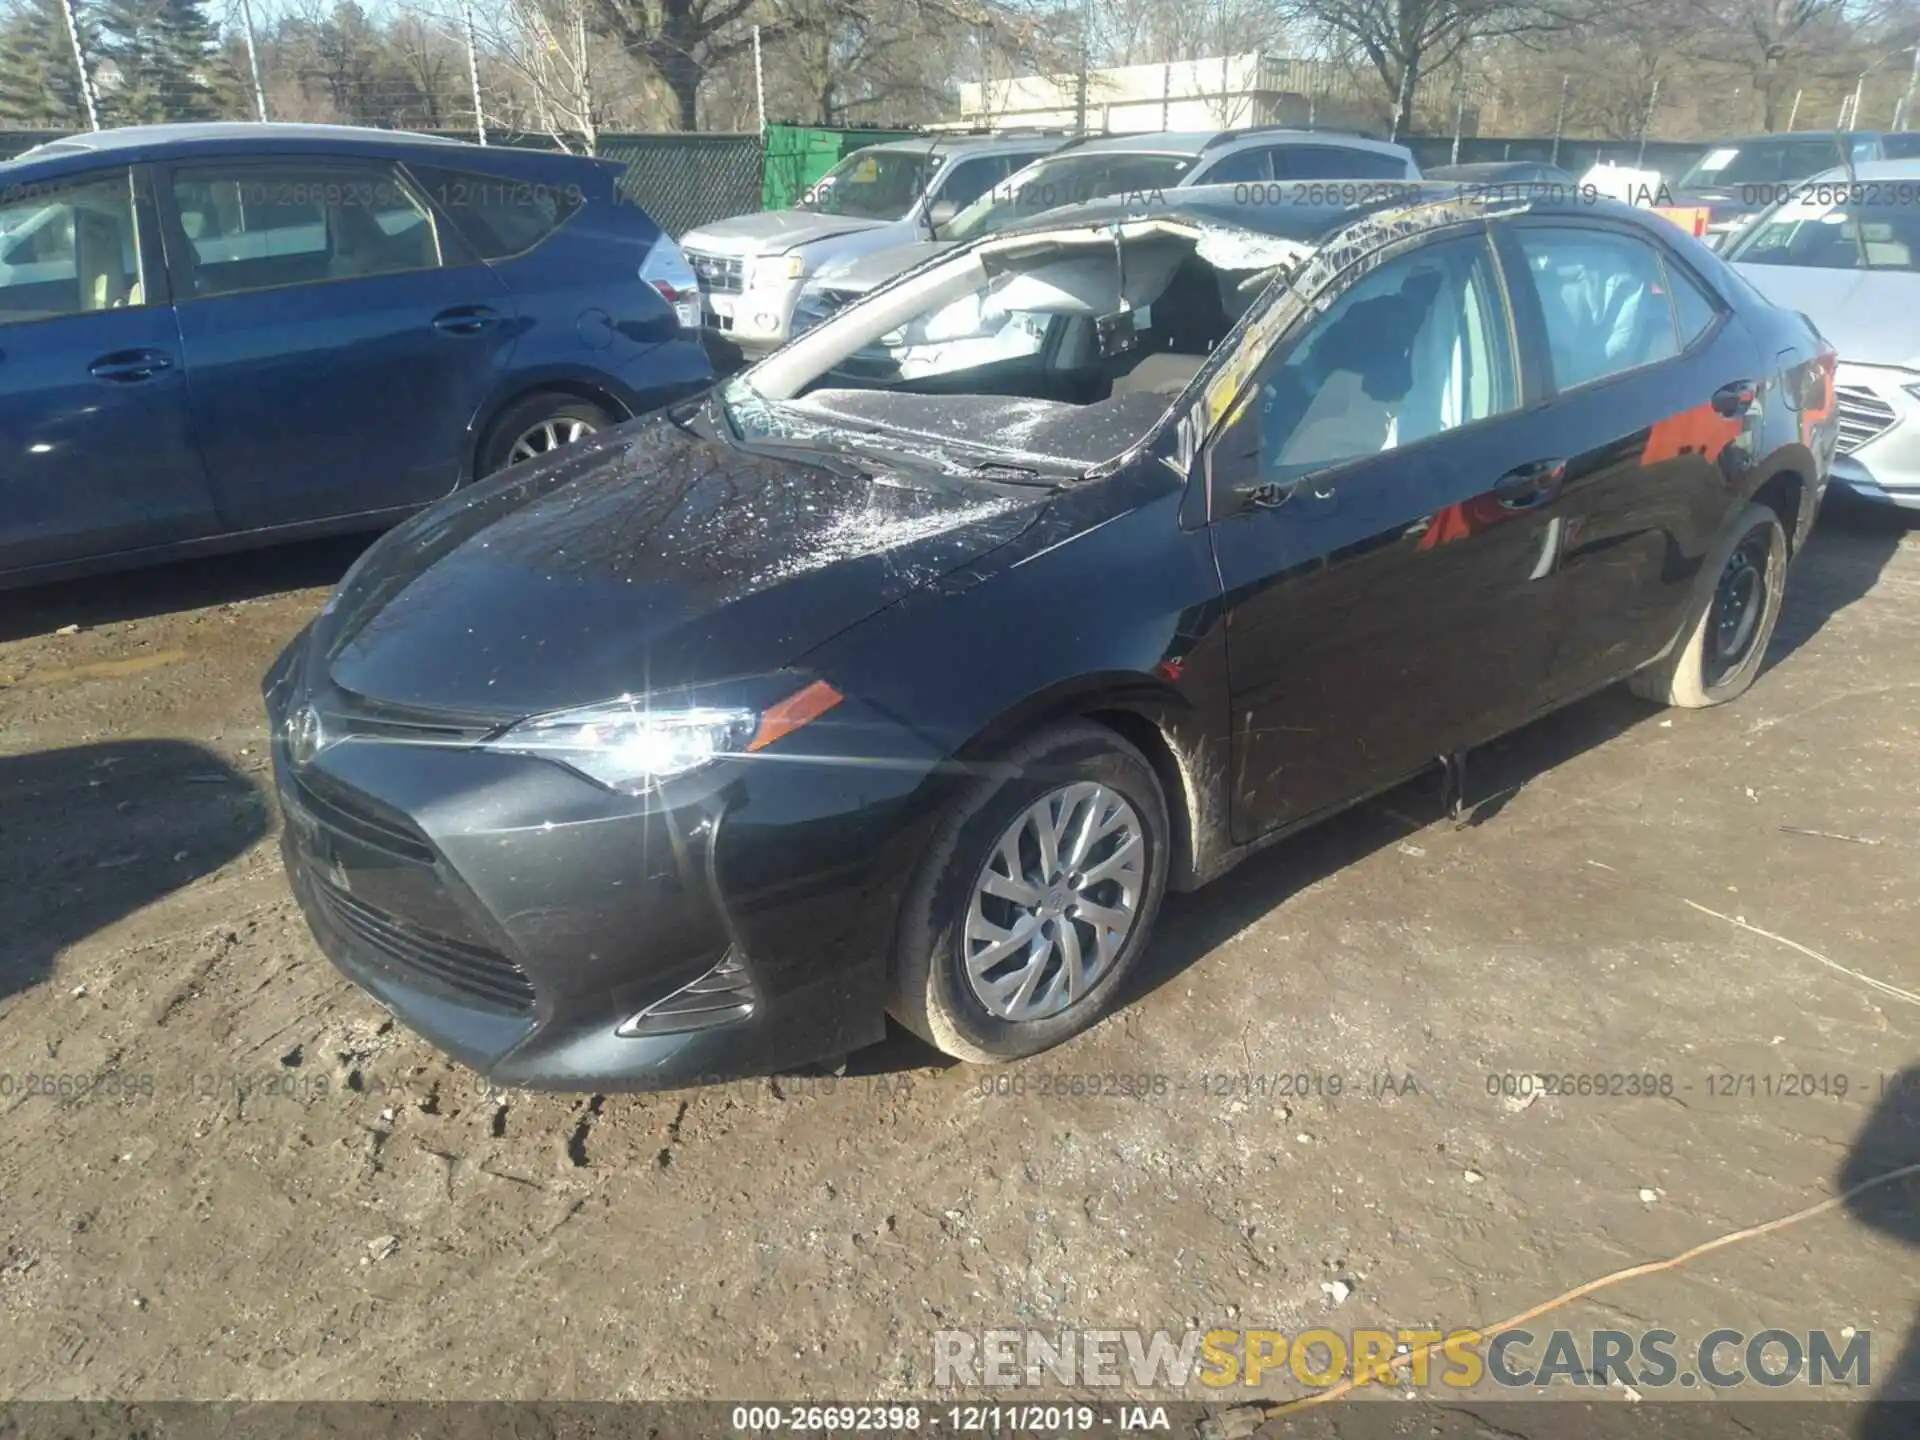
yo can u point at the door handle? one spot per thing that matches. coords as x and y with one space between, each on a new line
1735 398
1529 486
467 320
128 367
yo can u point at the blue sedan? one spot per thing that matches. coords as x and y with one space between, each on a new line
220 336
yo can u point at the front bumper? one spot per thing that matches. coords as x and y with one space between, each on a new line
520 917
1879 457
757 319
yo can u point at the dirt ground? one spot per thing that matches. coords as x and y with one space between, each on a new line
267 1190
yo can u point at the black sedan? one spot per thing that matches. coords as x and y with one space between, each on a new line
907 671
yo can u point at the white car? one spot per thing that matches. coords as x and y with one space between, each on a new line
1842 249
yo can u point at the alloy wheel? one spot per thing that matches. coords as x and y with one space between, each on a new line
546 437
1056 901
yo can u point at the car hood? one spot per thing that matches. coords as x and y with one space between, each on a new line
650 558
1865 313
772 232
862 273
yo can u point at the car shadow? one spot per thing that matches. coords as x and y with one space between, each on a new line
90 834
1850 545
178 585
1890 1141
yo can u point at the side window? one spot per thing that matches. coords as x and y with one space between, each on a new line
971 179
1603 297
1335 162
264 226
1693 312
1416 348
70 249
498 218
1242 168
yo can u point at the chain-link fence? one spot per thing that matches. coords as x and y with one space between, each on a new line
685 181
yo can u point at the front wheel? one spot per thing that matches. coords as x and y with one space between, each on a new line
1036 898
535 427
1722 651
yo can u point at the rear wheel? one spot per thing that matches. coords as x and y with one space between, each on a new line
1036 898
1722 651
536 426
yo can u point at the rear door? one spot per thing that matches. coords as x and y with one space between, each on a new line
1377 524
337 343
96 449
1655 392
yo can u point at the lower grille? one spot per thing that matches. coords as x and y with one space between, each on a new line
471 974
720 274
1864 416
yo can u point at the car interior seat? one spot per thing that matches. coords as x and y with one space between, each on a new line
101 253
1188 321
1364 362
1885 249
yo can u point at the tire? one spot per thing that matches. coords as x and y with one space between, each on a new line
1072 769
1723 647
518 435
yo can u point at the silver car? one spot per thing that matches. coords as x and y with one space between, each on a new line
1842 248
752 267
1272 157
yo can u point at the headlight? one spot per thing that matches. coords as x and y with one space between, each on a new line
776 270
627 745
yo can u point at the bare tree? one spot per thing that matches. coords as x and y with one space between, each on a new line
1402 40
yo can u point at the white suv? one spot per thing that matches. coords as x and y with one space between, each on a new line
752 267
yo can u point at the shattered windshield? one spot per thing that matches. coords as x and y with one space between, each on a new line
1050 354
872 185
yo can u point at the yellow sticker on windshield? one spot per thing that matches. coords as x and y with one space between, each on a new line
866 172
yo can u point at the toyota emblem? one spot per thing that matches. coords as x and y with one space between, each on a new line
305 735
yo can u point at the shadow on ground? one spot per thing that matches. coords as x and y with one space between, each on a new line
1890 1141
1844 557
90 834
183 585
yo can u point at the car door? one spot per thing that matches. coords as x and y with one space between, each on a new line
338 342
1655 394
1375 517
96 447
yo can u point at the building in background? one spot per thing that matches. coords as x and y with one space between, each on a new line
1219 92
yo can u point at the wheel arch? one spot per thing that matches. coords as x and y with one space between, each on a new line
1784 484
616 399
1155 718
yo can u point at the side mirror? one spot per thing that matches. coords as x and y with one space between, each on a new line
941 212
